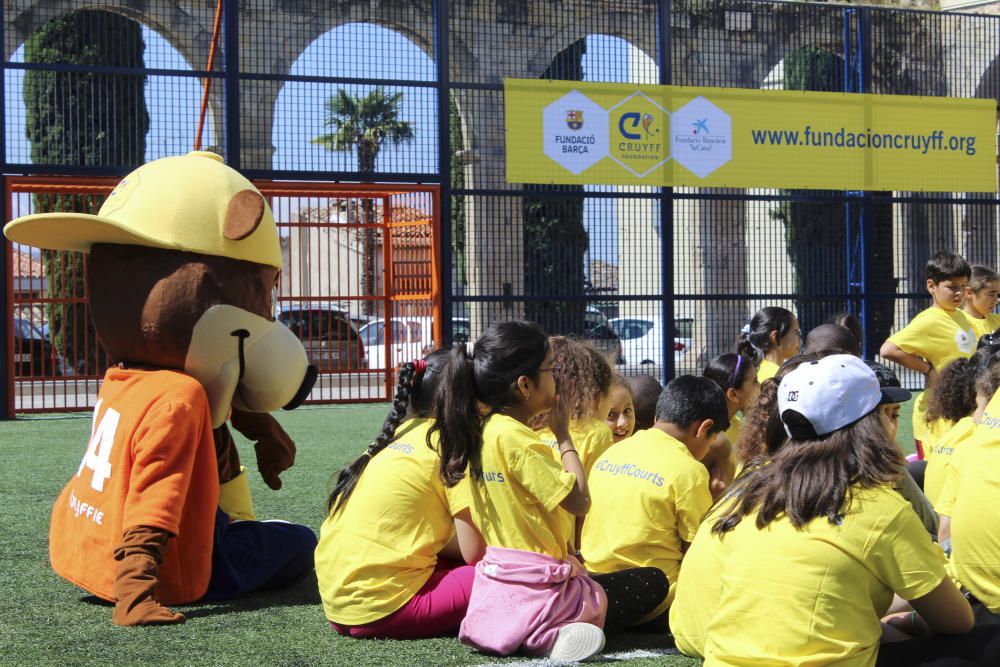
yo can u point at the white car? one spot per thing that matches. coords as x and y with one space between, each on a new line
642 341
411 338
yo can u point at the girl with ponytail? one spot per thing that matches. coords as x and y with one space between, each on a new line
392 551
530 595
771 337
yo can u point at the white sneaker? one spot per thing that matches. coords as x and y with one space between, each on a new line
576 642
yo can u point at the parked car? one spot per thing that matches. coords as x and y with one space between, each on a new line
327 334
411 338
34 354
642 340
599 332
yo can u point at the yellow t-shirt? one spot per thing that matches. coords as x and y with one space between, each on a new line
936 473
516 489
591 437
939 336
767 369
936 430
828 584
733 434
985 325
381 547
975 523
648 495
735 428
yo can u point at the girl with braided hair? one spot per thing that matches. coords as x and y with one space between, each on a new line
392 554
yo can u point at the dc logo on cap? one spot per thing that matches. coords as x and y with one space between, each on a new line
793 396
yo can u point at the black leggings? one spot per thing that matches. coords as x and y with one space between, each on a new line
632 594
979 647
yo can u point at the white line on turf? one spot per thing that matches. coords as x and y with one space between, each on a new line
604 657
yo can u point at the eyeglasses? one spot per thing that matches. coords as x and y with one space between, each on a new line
553 367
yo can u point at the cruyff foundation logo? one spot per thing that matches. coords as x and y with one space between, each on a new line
639 142
636 133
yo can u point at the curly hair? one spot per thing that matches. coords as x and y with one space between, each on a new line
763 434
581 377
954 394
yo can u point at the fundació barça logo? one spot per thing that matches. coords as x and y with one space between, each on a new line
637 133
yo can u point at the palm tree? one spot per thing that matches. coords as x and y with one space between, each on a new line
365 123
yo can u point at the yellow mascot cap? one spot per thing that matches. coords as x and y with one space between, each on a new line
193 203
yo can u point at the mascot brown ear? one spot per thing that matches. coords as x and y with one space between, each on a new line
245 211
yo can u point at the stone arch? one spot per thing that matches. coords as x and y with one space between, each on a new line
174 22
978 226
24 24
293 150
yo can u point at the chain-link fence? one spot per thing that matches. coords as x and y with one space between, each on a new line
661 279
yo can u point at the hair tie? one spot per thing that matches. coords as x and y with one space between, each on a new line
746 328
369 452
419 366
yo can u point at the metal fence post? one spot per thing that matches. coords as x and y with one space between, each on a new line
232 63
6 353
867 212
666 215
444 165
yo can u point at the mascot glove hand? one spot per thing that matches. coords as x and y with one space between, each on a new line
135 590
275 449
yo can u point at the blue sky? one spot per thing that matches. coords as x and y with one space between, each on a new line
174 102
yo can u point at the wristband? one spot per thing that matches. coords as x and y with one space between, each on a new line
563 452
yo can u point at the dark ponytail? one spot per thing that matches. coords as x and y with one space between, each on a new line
728 370
349 474
755 339
456 416
485 381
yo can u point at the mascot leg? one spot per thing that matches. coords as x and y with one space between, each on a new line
234 498
139 557
250 556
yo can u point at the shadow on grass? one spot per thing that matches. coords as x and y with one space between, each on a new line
304 592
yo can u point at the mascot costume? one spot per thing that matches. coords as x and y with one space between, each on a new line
181 281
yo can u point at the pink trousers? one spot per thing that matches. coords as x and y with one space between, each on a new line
436 610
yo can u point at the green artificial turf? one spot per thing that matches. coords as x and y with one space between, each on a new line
45 620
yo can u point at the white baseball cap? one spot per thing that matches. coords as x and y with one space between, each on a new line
823 396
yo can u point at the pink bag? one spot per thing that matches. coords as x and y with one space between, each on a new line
520 599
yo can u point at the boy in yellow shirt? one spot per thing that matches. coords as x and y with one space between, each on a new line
649 492
936 336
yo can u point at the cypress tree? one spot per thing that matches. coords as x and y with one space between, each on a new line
82 119
555 239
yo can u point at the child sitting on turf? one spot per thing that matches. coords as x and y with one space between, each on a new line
621 411
584 376
529 594
818 539
953 448
645 392
949 416
771 337
937 335
390 551
981 300
736 375
650 491
889 414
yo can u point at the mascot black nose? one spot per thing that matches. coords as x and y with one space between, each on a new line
307 384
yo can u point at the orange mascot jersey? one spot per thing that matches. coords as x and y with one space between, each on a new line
150 462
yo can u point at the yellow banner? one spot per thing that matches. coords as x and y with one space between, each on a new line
628 134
